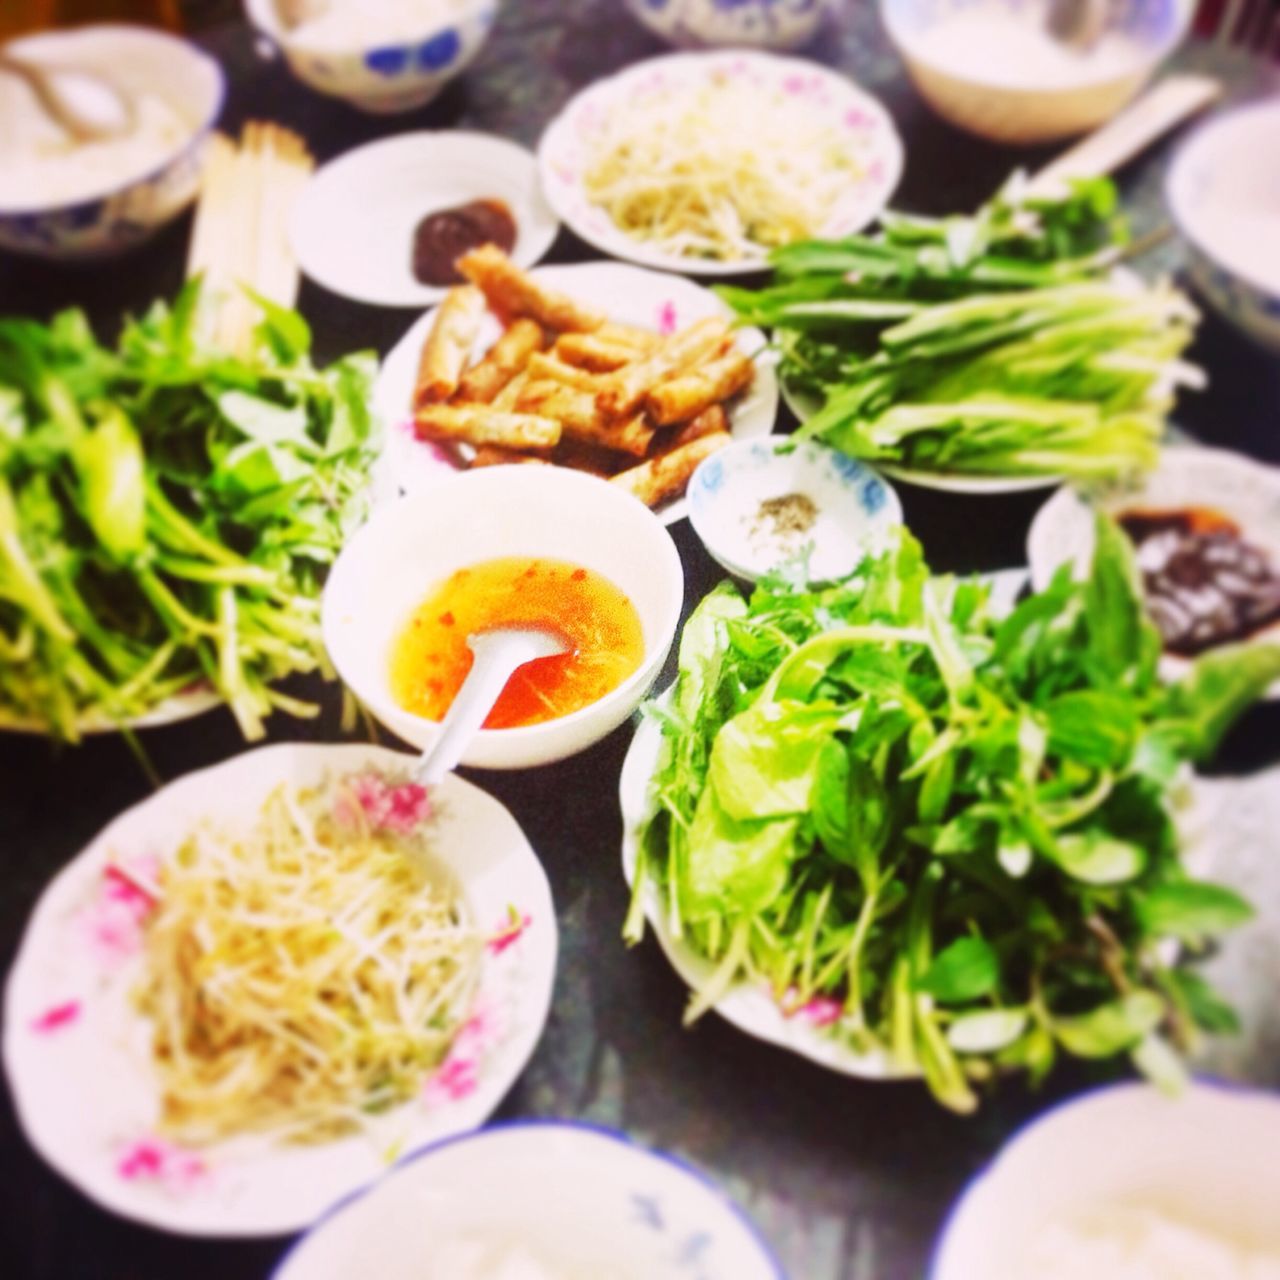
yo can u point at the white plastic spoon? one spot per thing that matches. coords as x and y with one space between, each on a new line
498 654
84 105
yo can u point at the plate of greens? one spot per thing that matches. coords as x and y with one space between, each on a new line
984 354
889 830
167 515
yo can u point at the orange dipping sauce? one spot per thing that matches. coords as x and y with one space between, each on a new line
430 658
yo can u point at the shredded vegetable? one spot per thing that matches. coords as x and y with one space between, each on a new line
308 973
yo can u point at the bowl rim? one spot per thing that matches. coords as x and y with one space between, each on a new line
264 17
527 736
908 48
194 139
980 1180
779 446
1175 181
618 1137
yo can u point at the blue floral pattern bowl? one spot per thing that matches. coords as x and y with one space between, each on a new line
765 24
383 78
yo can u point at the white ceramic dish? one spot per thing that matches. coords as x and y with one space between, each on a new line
1205 1159
352 227
122 215
855 509
381 76
1012 101
1227 207
1187 475
76 1053
804 406
389 567
630 295
581 1200
763 24
565 149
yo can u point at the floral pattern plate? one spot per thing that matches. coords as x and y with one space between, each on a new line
77 1054
565 148
629 295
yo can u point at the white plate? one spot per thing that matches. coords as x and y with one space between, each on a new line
352 226
182 706
564 151
629 295
77 1054
804 405
1186 476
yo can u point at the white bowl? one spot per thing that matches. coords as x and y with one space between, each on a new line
76 1049
120 216
762 24
410 545
382 77
855 507
1186 476
1206 1159
1225 200
578 1199
1011 101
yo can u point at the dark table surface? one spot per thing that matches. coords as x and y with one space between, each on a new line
848 1180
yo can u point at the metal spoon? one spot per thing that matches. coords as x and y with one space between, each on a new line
498 653
84 105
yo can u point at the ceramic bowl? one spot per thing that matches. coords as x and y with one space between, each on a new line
121 216
1204 1159
382 78
1227 207
410 545
853 508
559 1198
763 24
1013 104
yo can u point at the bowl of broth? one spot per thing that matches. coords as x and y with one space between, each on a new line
523 546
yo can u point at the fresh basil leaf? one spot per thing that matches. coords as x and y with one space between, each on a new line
1093 727
966 970
1111 1028
1097 858
850 810
1206 1007
112 470
1221 685
988 1031
1192 910
1156 1059
267 422
1121 637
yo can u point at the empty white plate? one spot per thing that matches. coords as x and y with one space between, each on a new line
352 227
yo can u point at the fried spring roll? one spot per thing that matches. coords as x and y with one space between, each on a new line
482 382
628 335
507 398
516 293
482 424
667 475
492 455
581 418
448 346
590 351
708 421
630 384
547 368
685 397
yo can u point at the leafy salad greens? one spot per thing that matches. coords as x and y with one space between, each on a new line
167 512
959 828
1001 343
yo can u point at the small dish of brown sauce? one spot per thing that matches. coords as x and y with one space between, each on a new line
442 237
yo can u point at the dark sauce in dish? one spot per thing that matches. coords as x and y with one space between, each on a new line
1204 584
442 237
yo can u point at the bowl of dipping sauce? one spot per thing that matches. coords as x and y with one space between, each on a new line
62 199
1127 1181
1205 525
382 58
506 546
1223 192
761 506
994 68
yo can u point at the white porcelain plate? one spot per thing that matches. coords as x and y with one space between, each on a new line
77 1053
863 126
352 227
629 295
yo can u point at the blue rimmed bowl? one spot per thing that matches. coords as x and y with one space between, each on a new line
382 78
762 24
106 222
560 1198
839 510
1203 1159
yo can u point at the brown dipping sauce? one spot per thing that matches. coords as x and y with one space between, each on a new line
441 238
1205 585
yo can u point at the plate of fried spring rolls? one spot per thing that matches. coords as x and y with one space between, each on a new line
630 374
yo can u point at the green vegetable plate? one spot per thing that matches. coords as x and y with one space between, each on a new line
182 706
